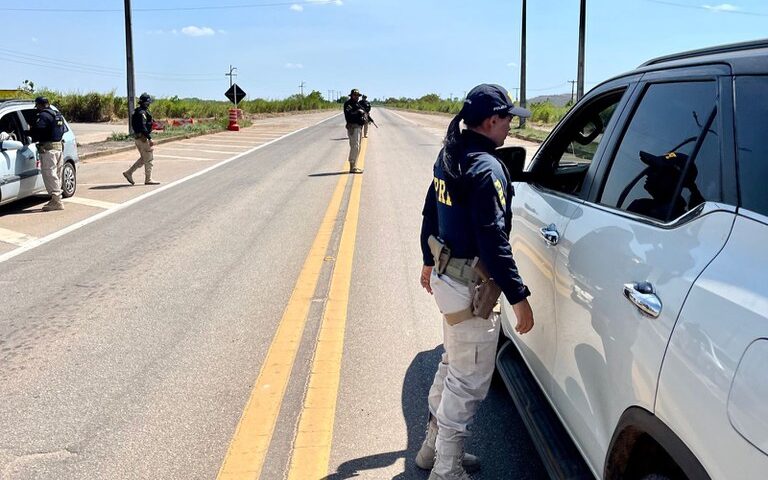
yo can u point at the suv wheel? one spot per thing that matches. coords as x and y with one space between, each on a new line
68 180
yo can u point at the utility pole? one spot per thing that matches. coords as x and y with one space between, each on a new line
231 74
522 66
129 63
580 71
301 86
573 84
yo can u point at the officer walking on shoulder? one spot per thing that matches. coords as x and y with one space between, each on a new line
142 130
48 131
367 107
467 264
355 117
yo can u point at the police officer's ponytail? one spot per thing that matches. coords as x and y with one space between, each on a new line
452 151
452 148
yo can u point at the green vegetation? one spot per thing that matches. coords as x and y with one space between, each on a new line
195 129
545 112
97 107
530 134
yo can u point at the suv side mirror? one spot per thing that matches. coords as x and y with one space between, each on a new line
10 145
514 159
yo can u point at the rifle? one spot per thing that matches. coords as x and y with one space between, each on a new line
370 119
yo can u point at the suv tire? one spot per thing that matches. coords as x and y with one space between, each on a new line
68 180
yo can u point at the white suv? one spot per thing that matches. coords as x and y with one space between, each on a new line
641 228
20 175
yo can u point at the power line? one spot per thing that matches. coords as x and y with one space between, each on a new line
211 7
708 8
37 60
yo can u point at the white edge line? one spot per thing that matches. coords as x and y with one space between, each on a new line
398 115
75 226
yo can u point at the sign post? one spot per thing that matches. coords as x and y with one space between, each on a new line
234 94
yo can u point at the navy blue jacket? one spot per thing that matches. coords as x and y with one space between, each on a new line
142 122
472 214
353 113
42 130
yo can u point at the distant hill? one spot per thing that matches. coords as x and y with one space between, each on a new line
556 100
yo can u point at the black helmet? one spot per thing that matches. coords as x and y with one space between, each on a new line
145 98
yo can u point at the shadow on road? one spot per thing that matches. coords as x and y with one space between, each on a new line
113 187
340 138
418 379
498 434
328 174
25 205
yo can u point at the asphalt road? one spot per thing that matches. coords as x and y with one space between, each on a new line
129 348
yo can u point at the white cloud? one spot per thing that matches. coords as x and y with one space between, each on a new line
175 32
294 65
193 31
34 40
327 2
511 64
723 7
297 8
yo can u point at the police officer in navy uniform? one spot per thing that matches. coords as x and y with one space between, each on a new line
142 131
468 208
47 132
354 114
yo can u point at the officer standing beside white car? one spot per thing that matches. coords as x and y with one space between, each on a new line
465 244
48 132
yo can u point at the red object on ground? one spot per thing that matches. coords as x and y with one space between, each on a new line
233 126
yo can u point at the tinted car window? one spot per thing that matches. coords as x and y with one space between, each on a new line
752 140
654 173
569 156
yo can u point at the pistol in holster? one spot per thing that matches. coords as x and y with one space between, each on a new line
440 252
484 290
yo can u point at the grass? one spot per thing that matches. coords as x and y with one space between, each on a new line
202 128
545 112
99 107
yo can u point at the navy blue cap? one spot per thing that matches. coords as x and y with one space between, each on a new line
41 101
486 100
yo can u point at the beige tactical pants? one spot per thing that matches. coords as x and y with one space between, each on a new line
354 132
145 158
464 374
50 168
365 129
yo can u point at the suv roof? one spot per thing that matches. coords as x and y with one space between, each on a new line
743 58
13 101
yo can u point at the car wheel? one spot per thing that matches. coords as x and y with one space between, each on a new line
68 180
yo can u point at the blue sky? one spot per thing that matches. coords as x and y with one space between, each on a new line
383 47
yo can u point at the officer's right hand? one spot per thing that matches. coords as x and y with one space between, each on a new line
524 316
426 274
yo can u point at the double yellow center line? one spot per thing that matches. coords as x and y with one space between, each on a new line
312 444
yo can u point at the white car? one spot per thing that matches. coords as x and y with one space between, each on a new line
20 175
640 228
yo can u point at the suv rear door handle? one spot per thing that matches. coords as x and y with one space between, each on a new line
550 234
643 296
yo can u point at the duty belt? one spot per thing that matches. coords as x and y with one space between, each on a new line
460 269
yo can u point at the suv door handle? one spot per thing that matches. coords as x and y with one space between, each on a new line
550 234
643 296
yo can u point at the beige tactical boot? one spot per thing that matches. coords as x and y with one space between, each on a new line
425 459
129 176
448 462
54 204
148 175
